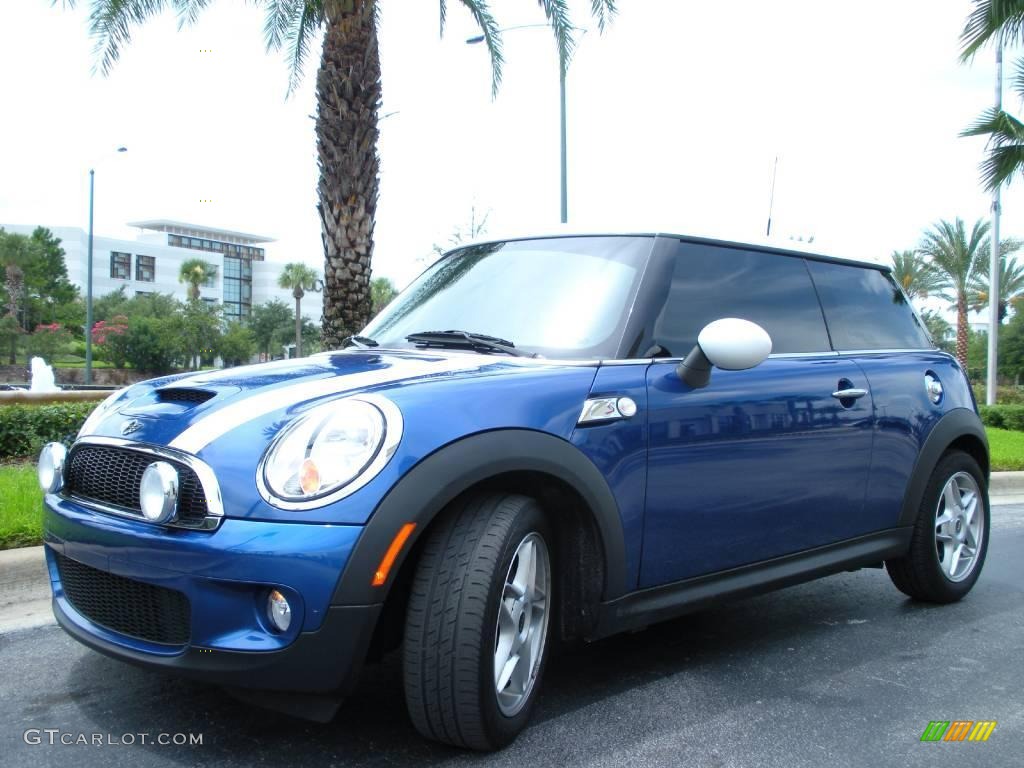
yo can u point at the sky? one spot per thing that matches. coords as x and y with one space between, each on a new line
676 114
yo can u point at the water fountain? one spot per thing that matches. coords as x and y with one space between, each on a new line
42 377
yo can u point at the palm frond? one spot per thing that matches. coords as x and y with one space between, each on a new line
298 36
1001 165
188 11
481 12
1017 81
991 18
111 23
557 13
1005 146
1001 127
281 16
603 11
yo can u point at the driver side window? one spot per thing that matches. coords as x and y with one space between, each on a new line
711 282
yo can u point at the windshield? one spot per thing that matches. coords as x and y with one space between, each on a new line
560 297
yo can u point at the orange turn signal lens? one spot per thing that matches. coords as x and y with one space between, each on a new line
309 477
388 560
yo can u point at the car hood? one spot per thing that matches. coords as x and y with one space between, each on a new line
190 411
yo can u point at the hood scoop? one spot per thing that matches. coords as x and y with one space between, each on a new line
183 395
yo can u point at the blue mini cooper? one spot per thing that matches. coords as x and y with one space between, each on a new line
540 440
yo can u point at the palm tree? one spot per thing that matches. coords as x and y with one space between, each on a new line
348 94
1002 22
957 258
196 272
915 274
1011 281
300 278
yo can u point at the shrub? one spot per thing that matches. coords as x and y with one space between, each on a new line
1008 416
24 429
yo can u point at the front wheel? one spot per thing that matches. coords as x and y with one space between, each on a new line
476 633
950 536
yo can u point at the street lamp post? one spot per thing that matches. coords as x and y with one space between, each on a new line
88 279
564 184
991 381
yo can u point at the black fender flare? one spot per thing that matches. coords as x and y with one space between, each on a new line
439 478
952 426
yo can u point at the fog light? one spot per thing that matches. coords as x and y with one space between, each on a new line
51 467
158 492
278 611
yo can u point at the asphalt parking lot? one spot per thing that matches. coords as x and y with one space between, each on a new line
840 672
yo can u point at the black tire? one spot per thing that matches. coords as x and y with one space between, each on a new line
919 574
450 629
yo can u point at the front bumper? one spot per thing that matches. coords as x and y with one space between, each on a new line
225 576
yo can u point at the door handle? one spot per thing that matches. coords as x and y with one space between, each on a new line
849 394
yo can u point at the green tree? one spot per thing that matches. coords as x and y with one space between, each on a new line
939 329
382 290
299 278
268 322
1011 348
997 22
153 344
45 294
1011 281
199 325
237 345
348 94
196 273
957 257
48 341
915 274
14 285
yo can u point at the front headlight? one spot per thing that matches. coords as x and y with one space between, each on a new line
330 452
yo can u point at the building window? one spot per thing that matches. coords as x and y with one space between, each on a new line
120 265
143 293
145 268
237 288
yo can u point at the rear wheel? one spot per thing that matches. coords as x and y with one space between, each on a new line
477 625
950 536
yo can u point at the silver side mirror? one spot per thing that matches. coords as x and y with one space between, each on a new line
731 344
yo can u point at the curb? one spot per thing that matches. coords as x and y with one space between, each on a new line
1006 484
25 600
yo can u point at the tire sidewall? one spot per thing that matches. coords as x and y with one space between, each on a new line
949 466
502 728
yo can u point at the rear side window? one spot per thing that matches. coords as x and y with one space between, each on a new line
865 309
710 282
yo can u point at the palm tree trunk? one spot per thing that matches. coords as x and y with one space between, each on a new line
961 331
348 95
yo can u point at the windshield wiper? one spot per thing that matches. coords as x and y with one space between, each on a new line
363 342
464 340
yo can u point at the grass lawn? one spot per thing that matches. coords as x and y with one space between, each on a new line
21 506
1006 448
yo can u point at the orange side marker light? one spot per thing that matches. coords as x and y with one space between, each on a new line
388 560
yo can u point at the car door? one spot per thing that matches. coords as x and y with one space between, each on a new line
759 463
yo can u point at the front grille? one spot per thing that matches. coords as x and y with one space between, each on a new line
112 475
147 612
182 395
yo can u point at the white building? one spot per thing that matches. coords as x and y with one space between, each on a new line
150 264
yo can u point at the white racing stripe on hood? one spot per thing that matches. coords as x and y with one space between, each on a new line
219 423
